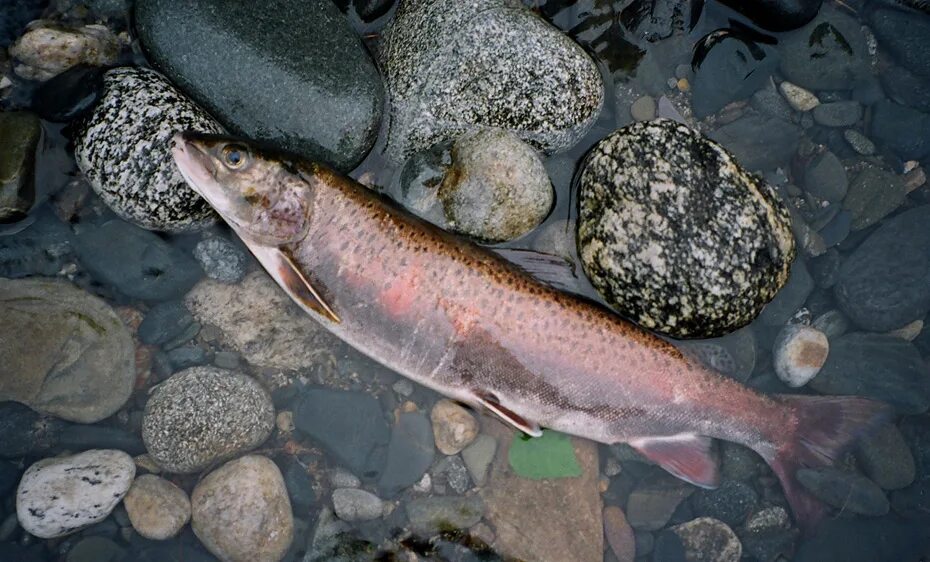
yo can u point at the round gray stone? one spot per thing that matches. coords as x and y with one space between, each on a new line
124 151
203 415
676 235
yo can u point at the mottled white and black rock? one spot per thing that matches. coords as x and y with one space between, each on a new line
61 495
450 65
676 235
124 150
203 415
290 73
63 351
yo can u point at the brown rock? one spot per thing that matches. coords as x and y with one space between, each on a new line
545 520
454 428
157 508
619 534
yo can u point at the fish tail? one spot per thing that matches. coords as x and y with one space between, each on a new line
827 427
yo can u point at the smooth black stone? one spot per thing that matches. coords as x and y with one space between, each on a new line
23 431
70 95
906 88
885 283
79 437
288 73
876 366
885 539
370 10
137 262
164 322
9 477
14 15
299 485
349 425
791 297
42 248
906 35
733 67
16 553
188 356
410 453
777 15
903 130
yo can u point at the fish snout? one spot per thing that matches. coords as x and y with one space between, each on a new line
194 163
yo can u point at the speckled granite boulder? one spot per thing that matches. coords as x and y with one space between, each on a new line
203 415
450 65
58 496
290 73
676 235
124 151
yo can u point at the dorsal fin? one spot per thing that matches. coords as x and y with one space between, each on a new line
492 403
685 455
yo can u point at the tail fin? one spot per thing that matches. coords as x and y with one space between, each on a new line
827 427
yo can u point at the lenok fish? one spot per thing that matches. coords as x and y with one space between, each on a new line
460 319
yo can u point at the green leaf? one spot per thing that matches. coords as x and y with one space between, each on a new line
549 456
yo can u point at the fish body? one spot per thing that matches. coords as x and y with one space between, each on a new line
460 319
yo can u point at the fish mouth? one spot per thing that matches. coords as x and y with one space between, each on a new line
195 165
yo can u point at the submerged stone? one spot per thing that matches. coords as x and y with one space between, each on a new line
829 53
289 73
660 203
19 137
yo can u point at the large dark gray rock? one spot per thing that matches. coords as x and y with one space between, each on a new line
905 35
349 425
759 143
410 453
291 73
452 65
660 203
829 53
844 490
14 15
876 366
729 67
902 129
777 15
885 283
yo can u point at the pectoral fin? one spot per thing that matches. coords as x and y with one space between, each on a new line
283 269
491 402
686 456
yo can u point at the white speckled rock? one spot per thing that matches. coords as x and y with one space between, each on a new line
676 235
497 188
800 351
157 508
205 414
124 150
354 504
59 496
241 511
449 65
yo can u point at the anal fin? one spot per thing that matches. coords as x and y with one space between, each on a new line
288 275
687 456
491 402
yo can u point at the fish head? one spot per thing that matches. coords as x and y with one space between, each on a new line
261 195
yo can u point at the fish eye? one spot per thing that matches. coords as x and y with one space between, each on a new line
234 156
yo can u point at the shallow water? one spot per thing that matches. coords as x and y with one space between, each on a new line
49 242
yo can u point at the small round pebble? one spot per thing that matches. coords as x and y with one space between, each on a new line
123 149
157 508
660 203
800 352
643 109
478 457
355 504
859 142
798 98
203 415
454 428
221 259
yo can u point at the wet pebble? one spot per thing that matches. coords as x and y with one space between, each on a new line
478 457
454 428
494 57
188 356
58 496
885 458
349 425
157 508
859 142
203 415
903 130
654 500
643 109
19 137
95 549
24 431
791 297
904 35
757 152
496 188
354 504
241 511
733 355
300 486
844 490
800 352
124 150
137 263
619 534
69 354
873 194
640 190
410 453
729 65
432 514
838 113
709 540
731 503
829 53
221 259
451 471
825 178
164 322
48 49
799 98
